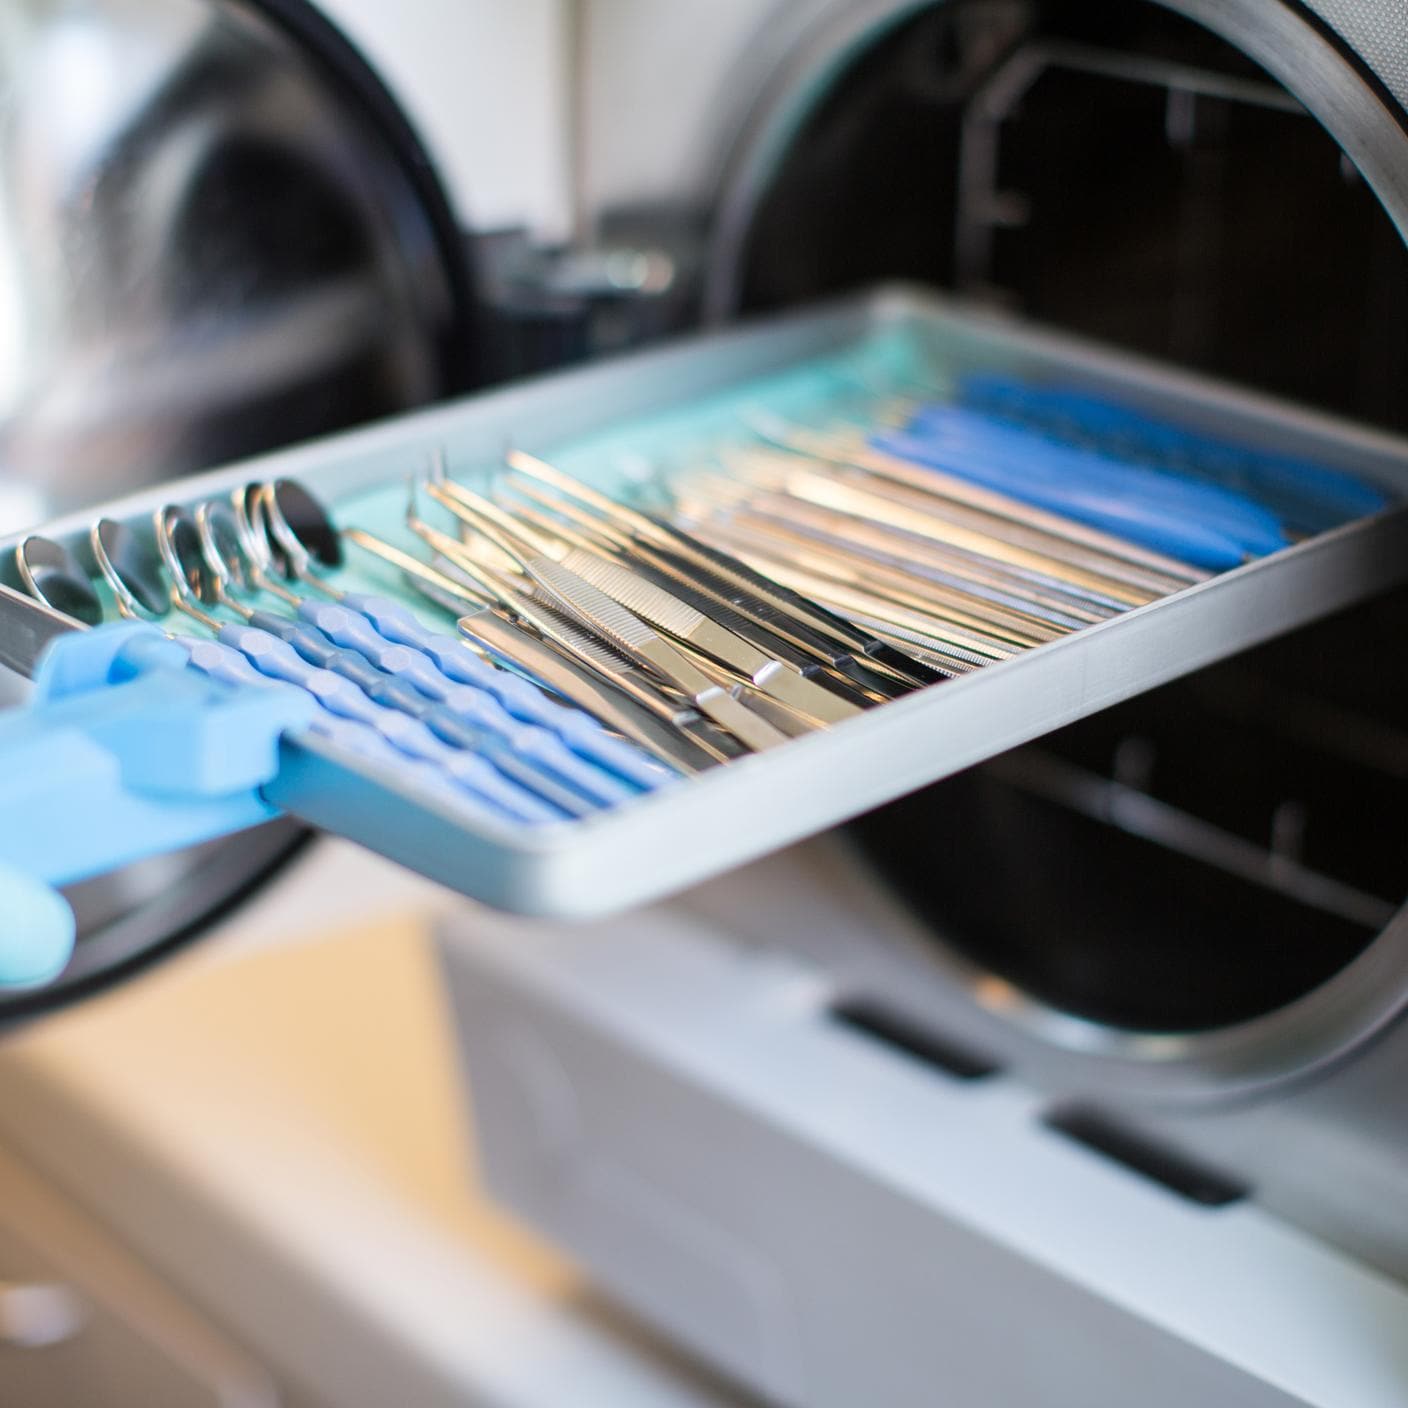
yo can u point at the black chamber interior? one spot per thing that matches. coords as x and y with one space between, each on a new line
1191 859
1210 852
1241 245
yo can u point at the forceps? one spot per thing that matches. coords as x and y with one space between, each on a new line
527 611
703 634
803 623
606 617
748 617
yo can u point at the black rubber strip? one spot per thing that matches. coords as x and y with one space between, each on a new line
1171 1169
881 1022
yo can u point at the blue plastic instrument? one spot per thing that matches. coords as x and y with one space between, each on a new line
1199 523
1309 496
519 698
506 740
281 655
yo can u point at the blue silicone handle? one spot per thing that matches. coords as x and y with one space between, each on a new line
1195 522
1313 495
228 666
37 937
277 659
468 703
520 698
1013 450
402 695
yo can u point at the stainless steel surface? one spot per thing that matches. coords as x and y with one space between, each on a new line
603 615
632 636
701 589
1376 31
576 683
799 621
26 627
680 619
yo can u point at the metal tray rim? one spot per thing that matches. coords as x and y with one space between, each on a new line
707 824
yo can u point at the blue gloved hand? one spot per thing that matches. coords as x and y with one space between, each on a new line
121 753
36 930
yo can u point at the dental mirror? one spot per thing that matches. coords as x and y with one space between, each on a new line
178 539
301 527
131 569
51 574
222 545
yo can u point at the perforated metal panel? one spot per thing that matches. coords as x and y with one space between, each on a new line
1378 29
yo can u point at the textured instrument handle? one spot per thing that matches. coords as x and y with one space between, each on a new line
519 697
465 716
410 737
228 666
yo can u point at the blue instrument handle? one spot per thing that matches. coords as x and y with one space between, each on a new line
519 698
998 448
120 753
318 650
1194 526
472 720
278 659
469 704
37 937
402 696
1327 495
228 666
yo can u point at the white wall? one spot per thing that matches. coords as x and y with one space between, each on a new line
485 82
660 90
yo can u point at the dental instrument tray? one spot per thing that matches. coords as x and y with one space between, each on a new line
784 574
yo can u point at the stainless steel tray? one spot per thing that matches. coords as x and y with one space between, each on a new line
733 814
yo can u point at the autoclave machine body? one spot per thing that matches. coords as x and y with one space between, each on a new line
1103 1040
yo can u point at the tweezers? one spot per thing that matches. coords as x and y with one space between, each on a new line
845 647
705 634
618 626
769 629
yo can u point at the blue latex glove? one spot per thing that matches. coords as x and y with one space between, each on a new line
121 753
37 932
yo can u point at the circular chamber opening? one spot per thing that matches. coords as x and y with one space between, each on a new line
1214 852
